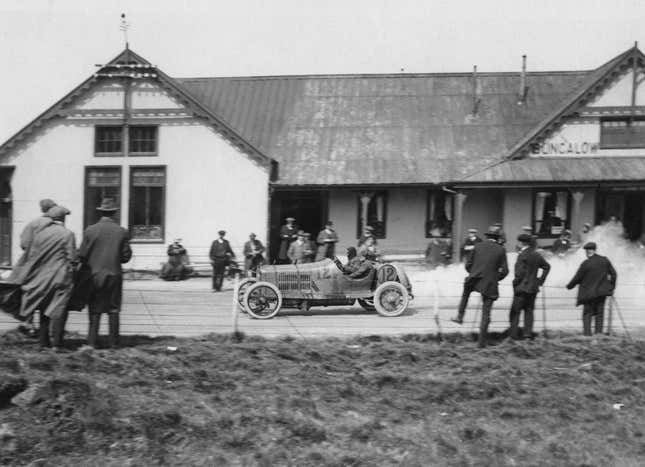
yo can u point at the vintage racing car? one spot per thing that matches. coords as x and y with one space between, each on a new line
385 288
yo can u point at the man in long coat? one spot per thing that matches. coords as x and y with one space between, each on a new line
253 255
288 234
486 267
596 278
526 285
104 248
299 249
48 276
326 240
220 255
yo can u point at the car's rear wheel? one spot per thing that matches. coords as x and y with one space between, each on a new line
390 299
242 287
262 300
367 303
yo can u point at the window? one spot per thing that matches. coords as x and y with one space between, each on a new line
101 182
622 133
147 200
108 141
372 211
143 140
439 213
551 211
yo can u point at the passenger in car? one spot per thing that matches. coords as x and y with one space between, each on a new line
357 265
369 250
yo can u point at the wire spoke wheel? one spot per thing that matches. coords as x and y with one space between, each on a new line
391 299
242 289
262 300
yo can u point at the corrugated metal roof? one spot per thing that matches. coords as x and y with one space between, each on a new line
569 169
385 129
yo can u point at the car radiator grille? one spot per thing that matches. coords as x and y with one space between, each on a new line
294 281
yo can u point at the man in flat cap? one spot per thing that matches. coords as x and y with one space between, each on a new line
368 232
298 249
326 240
486 267
48 276
105 247
468 246
288 235
253 255
596 278
526 285
220 255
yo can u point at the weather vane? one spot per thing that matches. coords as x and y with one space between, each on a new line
124 27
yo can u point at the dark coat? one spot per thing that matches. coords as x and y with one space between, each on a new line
326 244
105 246
220 250
253 254
287 237
486 267
26 239
596 277
527 265
469 245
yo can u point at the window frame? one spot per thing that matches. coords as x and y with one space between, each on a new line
567 221
154 153
629 134
133 239
359 224
429 221
86 188
98 153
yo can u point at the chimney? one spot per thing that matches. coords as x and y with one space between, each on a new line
523 89
476 100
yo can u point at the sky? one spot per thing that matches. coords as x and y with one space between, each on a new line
48 47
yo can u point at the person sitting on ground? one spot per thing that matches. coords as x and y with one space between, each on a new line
357 265
176 269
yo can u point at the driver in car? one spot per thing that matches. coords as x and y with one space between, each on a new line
357 266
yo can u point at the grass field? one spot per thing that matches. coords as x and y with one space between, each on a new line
365 401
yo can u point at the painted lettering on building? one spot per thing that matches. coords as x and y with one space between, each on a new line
565 147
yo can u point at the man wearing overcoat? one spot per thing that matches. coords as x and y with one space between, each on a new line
326 240
105 247
526 285
253 255
288 234
596 278
220 255
486 267
299 249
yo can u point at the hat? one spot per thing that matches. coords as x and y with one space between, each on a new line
351 252
107 204
46 204
177 240
301 233
252 234
587 224
524 238
369 228
590 246
527 228
221 232
58 212
290 219
492 232
307 234
497 224
329 223
473 230
567 232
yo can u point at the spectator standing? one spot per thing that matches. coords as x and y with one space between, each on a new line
298 249
105 247
288 234
253 255
596 278
326 240
220 255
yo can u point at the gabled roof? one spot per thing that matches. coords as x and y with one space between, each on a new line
586 91
382 129
129 64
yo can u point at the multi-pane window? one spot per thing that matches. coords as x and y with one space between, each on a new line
147 200
143 140
551 210
439 214
108 140
372 211
101 182
622 133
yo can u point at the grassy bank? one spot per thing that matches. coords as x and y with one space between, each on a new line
364 401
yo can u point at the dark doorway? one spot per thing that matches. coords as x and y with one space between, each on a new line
309 208
625 206
6 216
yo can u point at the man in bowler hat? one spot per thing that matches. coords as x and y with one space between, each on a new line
526 285
596 278
486 267
220 255
105 247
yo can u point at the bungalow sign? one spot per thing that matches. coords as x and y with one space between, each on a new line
565 148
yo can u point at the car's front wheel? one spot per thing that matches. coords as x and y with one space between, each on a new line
241 290
262 300
390 299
